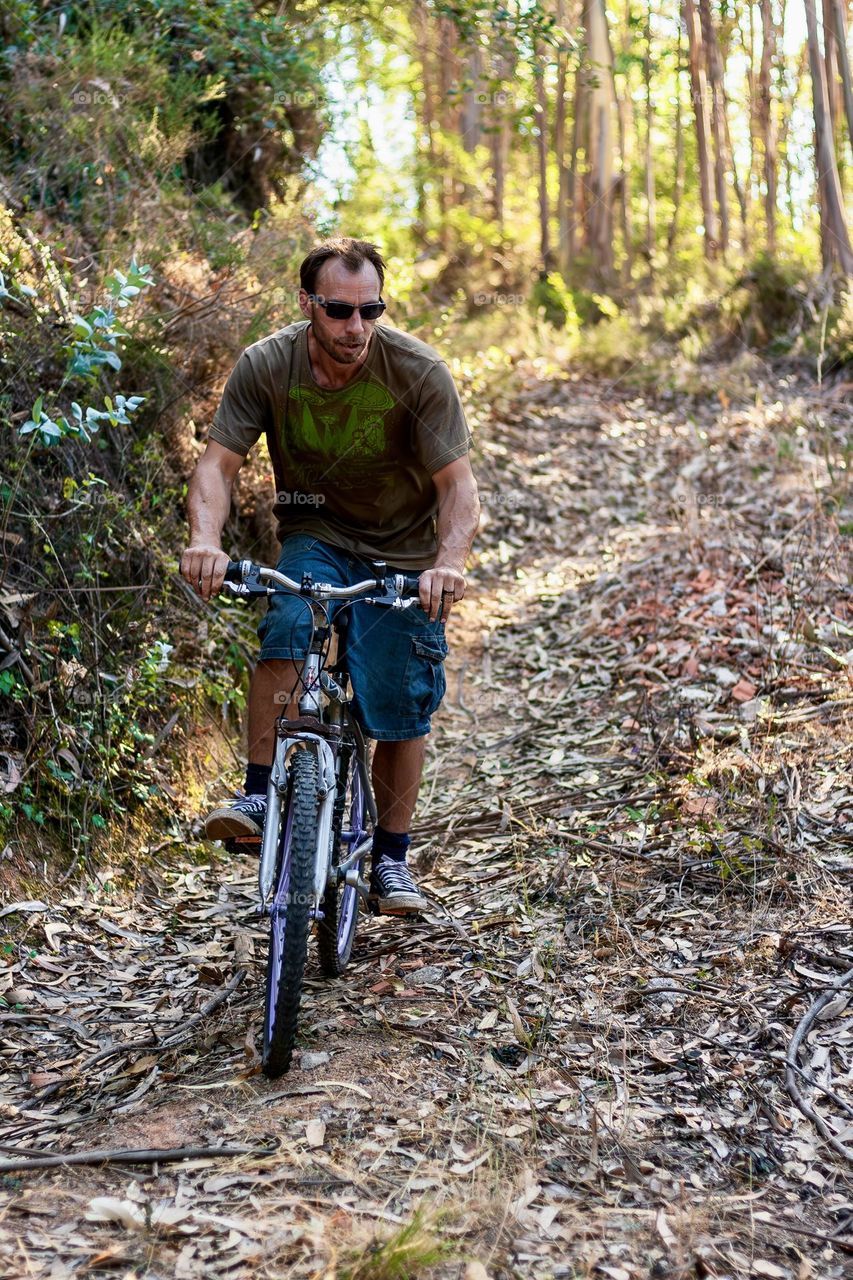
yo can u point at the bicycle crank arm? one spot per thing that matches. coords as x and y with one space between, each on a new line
353 879
342 870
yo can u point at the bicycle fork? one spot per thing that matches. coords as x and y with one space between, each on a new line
327 790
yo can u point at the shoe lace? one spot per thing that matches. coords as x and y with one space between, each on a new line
395 876
257 801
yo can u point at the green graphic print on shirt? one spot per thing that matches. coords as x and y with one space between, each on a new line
342 433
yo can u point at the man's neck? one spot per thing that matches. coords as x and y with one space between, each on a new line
328 373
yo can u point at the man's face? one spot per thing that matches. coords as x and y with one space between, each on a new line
343 340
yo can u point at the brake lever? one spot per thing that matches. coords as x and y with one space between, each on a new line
394 603
243 589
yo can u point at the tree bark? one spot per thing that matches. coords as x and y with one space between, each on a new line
835 238
839 27
428 172
448 109
833 79
560 143
651 229
767 121
546 253
599 148
678 177
576 190
699 89
622 183
471 114
719 124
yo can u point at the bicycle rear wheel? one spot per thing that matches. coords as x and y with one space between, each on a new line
290 914
336 930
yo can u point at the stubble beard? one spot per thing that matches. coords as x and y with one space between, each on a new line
342 352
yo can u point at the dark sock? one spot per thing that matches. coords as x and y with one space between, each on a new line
257 779
388 844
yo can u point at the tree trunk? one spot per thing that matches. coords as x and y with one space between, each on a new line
649 158
576 189
560 143
839 26
599 149
471 114
767 121
747 43
834 235
428 170
545 250
833 79
622 183
448 63
678 177
719 126
699 89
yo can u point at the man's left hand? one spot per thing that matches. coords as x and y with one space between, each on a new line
440 589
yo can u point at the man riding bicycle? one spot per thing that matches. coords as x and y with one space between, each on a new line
369 447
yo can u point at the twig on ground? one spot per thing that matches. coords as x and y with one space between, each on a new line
165 1155
792 1066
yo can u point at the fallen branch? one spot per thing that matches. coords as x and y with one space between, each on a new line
166 1155
793 1067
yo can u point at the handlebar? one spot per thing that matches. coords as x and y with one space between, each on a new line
245 578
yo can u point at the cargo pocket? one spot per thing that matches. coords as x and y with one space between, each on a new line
424 682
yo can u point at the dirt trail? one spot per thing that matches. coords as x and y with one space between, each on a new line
636 826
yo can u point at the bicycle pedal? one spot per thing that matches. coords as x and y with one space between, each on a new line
243 844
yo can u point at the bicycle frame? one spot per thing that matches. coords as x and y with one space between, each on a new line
317 735
288 739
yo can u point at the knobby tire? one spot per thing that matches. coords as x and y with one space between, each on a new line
291 919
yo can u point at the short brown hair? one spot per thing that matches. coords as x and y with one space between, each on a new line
353 254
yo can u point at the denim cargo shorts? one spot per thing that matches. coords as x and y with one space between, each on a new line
395 656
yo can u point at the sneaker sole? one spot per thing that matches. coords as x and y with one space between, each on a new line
404 904
225 824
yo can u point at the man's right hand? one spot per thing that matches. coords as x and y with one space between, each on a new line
204 568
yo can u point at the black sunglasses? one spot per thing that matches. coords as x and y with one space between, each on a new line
343 310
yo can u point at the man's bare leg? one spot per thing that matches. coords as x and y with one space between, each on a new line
397 769
271 682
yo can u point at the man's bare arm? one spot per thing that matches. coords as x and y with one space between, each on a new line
458 517
203 564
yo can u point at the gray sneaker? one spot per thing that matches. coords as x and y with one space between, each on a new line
393 891
242 820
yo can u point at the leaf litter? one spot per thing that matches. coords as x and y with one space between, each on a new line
635 829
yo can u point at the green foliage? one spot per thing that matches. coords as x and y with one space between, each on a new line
405 1255
555 302
839 336
770 298
90 349
133 102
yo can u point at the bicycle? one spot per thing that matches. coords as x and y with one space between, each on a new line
320 805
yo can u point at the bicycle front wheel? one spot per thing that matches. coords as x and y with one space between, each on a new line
290 914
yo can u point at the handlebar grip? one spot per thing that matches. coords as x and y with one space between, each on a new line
234 572
411 586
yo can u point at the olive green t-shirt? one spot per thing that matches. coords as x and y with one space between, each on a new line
352 466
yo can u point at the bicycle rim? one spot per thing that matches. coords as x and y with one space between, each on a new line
290 915
336 932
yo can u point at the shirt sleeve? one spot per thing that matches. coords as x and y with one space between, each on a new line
243 414
441 431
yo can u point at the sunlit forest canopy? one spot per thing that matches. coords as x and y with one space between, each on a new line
608 145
